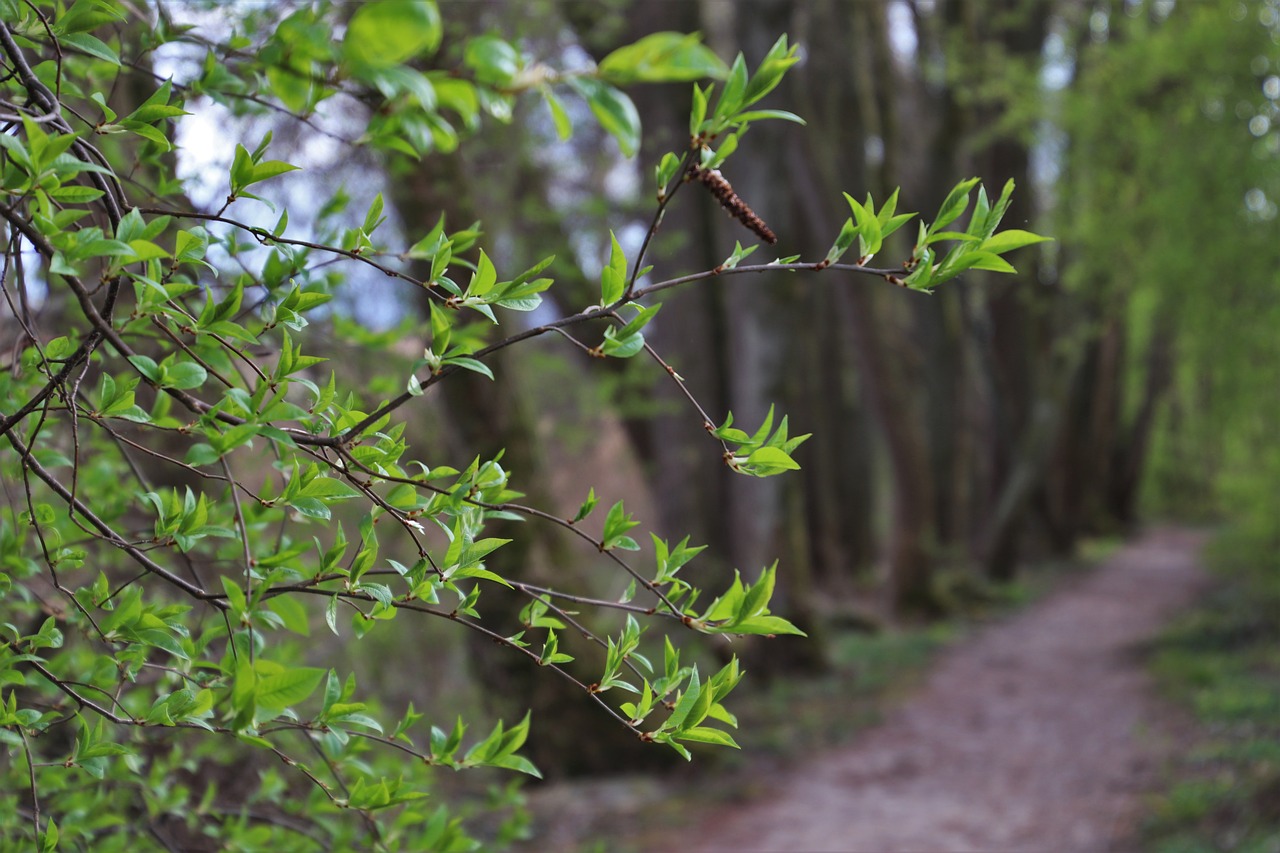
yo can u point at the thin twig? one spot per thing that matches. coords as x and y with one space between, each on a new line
31 773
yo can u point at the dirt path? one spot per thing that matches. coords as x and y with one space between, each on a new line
1039 734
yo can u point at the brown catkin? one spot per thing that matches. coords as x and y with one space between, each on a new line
732 202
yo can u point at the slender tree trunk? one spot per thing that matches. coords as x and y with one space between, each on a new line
501 416
1129 458
1016 428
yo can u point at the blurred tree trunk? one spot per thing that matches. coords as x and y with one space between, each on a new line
1129 458
1100 454
992 39
739 344
891 364
767 331
849 86
840 483
496 181
688 476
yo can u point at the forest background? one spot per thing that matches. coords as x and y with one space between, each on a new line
1128 370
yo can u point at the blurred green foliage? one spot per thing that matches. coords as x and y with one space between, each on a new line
1168 219
1220 662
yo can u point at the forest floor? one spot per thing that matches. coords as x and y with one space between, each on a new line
1040 731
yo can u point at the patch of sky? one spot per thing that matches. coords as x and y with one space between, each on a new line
903 39
1057 68
206 141
1258 207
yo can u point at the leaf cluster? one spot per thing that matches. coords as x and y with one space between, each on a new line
197 483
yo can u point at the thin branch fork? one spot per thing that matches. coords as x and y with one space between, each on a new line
108 533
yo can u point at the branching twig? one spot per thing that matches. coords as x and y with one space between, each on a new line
108 533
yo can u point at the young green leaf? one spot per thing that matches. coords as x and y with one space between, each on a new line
386 33
954 206
662 58
613 278
616 112
1007 241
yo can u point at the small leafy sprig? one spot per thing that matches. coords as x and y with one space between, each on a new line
765 452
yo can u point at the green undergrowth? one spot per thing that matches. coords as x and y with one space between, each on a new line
1222 662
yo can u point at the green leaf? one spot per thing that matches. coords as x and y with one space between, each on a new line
329 488
388 32
614 110
290 687
92 46
869 237
246 170
75 194
269 169
698 110
292 614
848 232
235 596
638 322
485 277
619 347
441 329
61 347
493 60
128 608
613 278
1007 241
617 523
954 206
755 600
85 15
480 549
131 226
587 506
150 113
762 625
311 507
331 614
373 218
662 58
560 118
735 87
772 457
996 215
474 365
518 763
49 838
704 734
184 375
688 699
775 64
994 263
761 115
161 639
666 170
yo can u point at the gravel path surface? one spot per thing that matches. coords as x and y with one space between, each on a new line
1039 734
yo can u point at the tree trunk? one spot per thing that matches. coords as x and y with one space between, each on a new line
500 416
1015 313
1129 458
